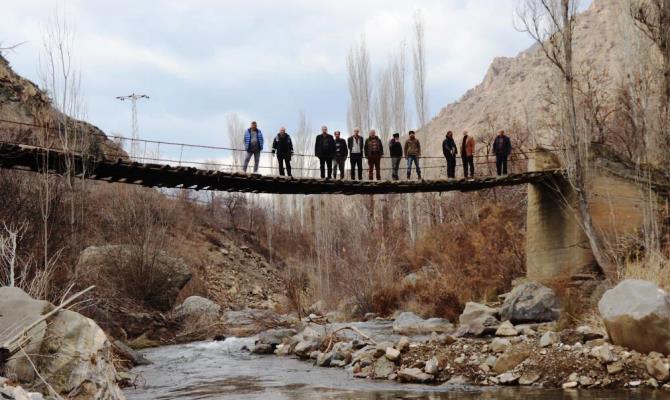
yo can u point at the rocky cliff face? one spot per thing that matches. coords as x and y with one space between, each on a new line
514 89
23 101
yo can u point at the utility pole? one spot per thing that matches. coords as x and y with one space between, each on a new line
134 144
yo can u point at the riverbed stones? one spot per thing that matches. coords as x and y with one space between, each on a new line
635 306
499 345
506 329
477 319
509 360
392 354
530 302
323 359
508 378
529 378
403 344
304 348
275 337
408 323
414 375
603 353
383 367
548 339
657 367
432 366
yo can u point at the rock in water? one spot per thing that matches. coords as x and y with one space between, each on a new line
383 368
530 302
477 319
637 315
198 307
414 375
72 353
409 323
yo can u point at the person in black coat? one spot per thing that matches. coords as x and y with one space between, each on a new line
396 151
283 147
450 150
341 153
324 149
502 148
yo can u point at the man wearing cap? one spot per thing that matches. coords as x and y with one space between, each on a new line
395 150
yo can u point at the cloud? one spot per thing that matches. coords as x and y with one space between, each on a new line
202 59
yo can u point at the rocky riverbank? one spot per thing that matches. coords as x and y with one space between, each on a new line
518 343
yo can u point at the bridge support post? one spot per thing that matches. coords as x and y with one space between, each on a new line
556 245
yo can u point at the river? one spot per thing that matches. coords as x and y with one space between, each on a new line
223 370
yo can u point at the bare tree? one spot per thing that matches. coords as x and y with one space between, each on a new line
8 253
235 130
62 82
360 87
551 24
652 17
398 95
419 57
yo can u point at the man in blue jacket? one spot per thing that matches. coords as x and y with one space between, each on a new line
502 148
253 144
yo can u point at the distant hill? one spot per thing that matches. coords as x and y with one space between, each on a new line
514 89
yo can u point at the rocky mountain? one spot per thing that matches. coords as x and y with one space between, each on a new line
514 90
23 102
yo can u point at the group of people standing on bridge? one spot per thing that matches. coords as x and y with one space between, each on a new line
333 151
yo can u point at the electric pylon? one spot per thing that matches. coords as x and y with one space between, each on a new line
134 144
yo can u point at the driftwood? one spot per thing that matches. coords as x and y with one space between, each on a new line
351 328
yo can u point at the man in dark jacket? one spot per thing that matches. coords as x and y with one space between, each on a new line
450 150
395 150
502 148
324 149
283 147
356 145
341 153
374 151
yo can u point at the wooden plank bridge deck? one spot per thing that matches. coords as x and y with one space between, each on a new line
36 159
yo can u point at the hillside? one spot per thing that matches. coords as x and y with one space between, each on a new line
24 102
514 89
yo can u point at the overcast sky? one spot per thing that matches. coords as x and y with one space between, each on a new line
264 59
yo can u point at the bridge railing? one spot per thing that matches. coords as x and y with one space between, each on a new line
229 159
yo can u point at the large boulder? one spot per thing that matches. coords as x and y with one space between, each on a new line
408 323
154 278
477 319
530 302
196 307
70 351
637 315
